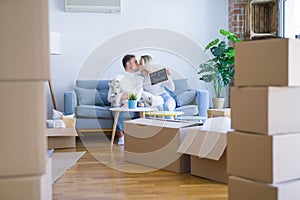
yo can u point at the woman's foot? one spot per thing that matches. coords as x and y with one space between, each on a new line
121 141
121 138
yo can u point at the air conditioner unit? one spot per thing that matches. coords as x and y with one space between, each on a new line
103 6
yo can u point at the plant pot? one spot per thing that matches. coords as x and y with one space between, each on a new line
132 104
218 102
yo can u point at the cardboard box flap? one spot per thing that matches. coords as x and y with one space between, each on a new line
217 124
162 123
277 185
205 143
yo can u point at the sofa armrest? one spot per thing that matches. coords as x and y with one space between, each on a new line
202 100
70 102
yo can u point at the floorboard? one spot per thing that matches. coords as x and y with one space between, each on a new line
103 174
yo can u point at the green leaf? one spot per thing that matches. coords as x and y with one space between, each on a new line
222 45
217 51
211 44
132 96
231 38
206 78
230 52
225 33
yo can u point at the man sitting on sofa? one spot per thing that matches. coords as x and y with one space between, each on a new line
131 82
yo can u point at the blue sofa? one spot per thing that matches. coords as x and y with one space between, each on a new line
89 103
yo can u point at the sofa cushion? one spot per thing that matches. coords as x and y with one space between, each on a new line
94 123
181 85
93 112
103 88
88 97
93 84
92 92
87 84
103 85
186 98
103 95
189 110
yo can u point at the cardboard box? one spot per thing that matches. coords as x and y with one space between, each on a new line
61 138
22 125
207 145
270 159
46 183
244 189
27 188
24 40
265 110
154 143
215 170
271 62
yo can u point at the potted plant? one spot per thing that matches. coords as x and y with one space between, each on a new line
219 70
132 100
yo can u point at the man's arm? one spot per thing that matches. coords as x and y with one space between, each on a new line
139 93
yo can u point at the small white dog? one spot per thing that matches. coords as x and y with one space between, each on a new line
152 100
116 91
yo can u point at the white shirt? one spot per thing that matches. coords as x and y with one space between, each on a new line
130 82
158 89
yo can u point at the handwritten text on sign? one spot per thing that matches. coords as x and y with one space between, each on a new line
158 76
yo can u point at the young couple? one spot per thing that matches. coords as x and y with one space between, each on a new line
136 80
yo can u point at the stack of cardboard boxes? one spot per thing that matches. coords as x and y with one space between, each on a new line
264 151
24 68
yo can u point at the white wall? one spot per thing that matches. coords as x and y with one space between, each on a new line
292 18
81 33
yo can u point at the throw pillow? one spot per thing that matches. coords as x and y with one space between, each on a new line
186 98
88 97
181 85
69 121
56 114
103 94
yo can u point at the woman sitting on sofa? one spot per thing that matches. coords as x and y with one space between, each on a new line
158 90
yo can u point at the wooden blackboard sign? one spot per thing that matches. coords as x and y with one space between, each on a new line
158 76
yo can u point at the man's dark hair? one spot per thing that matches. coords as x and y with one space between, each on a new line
127 59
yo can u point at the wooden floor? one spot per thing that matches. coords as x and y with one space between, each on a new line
102 174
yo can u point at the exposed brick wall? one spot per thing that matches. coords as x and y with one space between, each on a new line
236 18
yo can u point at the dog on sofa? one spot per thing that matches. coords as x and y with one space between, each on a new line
116 90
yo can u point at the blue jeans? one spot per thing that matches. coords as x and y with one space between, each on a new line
120 124
169 102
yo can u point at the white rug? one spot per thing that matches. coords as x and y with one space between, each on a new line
61 162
